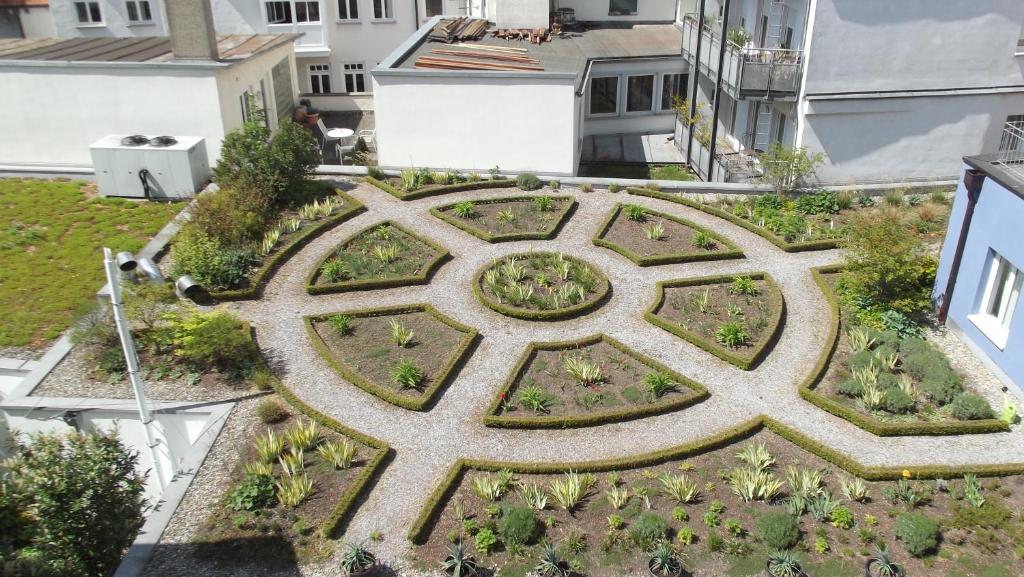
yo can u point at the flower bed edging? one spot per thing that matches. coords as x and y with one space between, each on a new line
540 315
710 346
440 382
493 419
439 212
368 284
436 190
262 275
732 252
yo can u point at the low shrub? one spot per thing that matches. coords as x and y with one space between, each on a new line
851 388
527 181
970 407
210 263
214 338
252 493
919 534
110 361
648 529
518 524
778 530
232 218
896 400
271 411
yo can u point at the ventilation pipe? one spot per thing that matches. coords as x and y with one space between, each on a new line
973 181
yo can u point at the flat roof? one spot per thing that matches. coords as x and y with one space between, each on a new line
1006 168
569 52
232 49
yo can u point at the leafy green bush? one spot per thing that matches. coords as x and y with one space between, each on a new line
527 181
897 401
841 517
271 411
822 202
209 262
778 530
253 492
918 533
970 407
518 524
217 338
110 361
851 388
648 529
233 218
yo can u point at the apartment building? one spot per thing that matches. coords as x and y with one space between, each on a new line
885 90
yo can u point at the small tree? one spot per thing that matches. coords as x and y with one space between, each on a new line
78 498
788 169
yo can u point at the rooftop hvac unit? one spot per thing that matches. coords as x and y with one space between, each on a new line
157 167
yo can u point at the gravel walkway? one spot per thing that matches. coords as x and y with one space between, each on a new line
427 444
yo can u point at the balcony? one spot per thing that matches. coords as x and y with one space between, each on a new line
730 165
312 43
764 73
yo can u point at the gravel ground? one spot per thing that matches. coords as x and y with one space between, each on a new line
427 444
22 353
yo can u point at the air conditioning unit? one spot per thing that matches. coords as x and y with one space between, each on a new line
158 167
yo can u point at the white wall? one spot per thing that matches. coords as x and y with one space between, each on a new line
519 124
115 20
597 10
520 13
246 76
632 122
37 22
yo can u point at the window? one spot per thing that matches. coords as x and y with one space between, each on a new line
254 105
640 93
355 80
88 12
434 7
622 7
604 95
307 11
1001 291
383 9
672 86
138 11
780 130
348 9
320 78
279 13
281 80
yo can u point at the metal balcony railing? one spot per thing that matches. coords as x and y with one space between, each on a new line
746 72
729 166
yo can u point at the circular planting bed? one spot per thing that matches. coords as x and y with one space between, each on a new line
541 286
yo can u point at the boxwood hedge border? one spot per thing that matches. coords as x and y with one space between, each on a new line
336 522
822 244
867 422
779 319
441 213
493 419
437 190
731 250
373 283
440 381
421 528
259 279
539 315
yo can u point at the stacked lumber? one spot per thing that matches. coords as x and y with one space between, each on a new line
533 36
469 56
456 29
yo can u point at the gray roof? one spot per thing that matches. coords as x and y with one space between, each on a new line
232 48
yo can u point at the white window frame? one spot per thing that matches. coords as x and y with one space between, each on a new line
266 12
349 6
625 96
386 8
618 97
307 3
633 13
999 298
355 70
142 17
89 21
666 107
321 71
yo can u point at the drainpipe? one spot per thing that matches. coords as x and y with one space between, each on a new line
696 80
973 180
718 90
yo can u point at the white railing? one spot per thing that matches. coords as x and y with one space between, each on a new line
728 167
1011 148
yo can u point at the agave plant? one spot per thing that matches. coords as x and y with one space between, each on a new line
458 563
550 564
679 488
784 564
884 566
357 558
664 561
338 453
820 506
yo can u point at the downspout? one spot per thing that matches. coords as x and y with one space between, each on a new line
696 81
718 91
973 181
415 15
801 100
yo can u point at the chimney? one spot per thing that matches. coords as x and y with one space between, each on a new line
522 13
191 29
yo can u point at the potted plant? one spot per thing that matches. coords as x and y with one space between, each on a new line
358 561
664 562
550 565
458 563
880 565
783 564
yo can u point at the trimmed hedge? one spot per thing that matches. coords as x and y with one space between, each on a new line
731 252
823 244
540 315
421 528
441 213
439 189
336 522
712 346
375 283
493 419
430 394
870 423
271 263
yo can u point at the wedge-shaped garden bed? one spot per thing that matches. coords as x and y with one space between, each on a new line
380 256
725 501
649 237
889 385
405 355
588 382
451 182
541 286
298 227
735 318
508 219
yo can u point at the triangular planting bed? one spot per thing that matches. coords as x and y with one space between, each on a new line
380 256
736 318
546 389
361 346
649 237
510 218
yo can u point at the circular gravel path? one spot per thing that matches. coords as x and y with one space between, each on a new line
427 444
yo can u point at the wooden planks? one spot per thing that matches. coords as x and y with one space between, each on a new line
531 35
456 29
453 64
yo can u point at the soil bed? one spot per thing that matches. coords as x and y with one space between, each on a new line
541 286
507 219
635 239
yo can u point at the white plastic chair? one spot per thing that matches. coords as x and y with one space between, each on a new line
323 133
369 137
344 146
